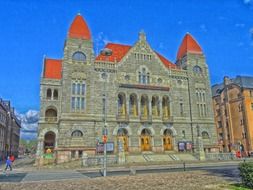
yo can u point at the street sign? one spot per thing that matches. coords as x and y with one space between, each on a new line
109 147
104 138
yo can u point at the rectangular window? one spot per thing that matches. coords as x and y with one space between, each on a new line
82 104
83 89
78 89
73 88
251 106
78 103
73 102
181 109
219 124
78 95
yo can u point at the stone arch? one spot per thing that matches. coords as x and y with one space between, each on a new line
171 128
79 56
51 114
77 133
115 130
205 135
49 93
44 131
149 128
144 103
49 142
166 106
55 94
133 104
121 103
155 105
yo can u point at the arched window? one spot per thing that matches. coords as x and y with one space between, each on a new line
197 69
55 94
79 56
205 135
51 115
49 93
77 133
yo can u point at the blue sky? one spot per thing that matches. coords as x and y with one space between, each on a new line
31 29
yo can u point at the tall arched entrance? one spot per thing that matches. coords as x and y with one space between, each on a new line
167 140
122 137
146 140
49 142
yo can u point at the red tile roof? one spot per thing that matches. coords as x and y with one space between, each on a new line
79 29
166 62
189 44
52 68
119 51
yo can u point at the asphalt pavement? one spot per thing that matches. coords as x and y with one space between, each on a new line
229 171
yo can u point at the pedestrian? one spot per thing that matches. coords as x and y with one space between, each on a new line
8 165
12 158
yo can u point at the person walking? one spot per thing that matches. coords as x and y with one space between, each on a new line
8 165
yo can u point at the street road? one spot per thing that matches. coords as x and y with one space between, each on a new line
228 171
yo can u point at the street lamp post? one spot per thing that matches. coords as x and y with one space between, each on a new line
105 52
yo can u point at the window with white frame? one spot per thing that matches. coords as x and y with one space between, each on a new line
144 76
78 95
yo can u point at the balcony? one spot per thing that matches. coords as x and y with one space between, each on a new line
51 119
167 119
122 118
146 118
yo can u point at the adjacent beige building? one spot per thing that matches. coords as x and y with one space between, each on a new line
233 108
143 99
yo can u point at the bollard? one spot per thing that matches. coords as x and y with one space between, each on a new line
184 165
132 171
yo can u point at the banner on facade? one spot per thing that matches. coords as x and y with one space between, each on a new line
184 146
109 147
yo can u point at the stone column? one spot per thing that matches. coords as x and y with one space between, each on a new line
160 107
139 105
149 106
127 105
76 154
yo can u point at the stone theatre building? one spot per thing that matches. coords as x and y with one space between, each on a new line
139 95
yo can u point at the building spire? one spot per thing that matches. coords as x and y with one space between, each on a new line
142 35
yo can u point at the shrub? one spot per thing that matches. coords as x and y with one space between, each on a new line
246 173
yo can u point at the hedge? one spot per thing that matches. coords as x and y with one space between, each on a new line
246 173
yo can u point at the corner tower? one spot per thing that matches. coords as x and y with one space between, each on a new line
77 67
191 58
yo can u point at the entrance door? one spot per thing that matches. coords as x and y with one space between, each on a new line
167 140
167 143
145 143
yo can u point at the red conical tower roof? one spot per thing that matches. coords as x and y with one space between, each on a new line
79 29
189 44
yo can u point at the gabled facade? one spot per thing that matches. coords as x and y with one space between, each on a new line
145 100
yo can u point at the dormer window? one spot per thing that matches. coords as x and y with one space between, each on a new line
79 56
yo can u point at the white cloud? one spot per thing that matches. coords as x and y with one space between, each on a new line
247 1
241 25
240 44
29 124
161 46
179 22
100 41
203 27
